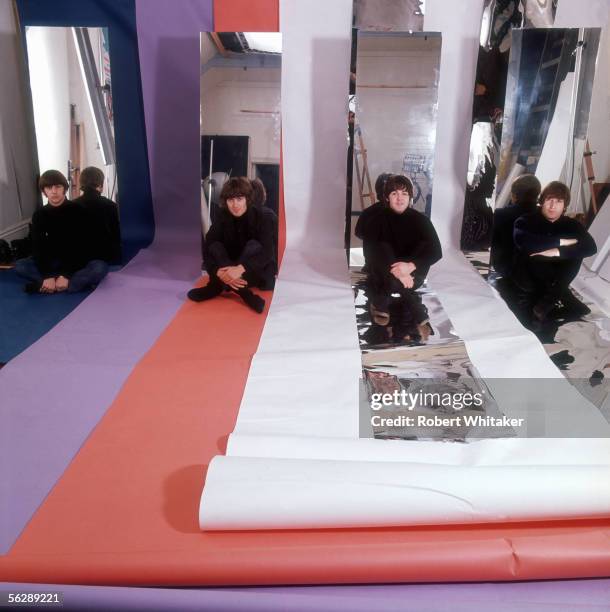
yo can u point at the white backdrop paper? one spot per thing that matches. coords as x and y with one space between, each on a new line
294 460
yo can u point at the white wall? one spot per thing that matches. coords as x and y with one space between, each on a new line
50 84
18 168
244 102
57 82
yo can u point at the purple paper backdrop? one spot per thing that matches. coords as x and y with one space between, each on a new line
168 39
573 596
55 392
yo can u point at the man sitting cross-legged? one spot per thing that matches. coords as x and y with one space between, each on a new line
239 250
550 250
60 258
402 245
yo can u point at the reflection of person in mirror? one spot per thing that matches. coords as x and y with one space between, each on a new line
550 249
240 247
103 232
59 259
371 211
402 245
524 194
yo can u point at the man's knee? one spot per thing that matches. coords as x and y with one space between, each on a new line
27 268
23 265
98 267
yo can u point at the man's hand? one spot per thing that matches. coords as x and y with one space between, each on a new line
402 268
407 281
231 275
547 253
567 241
48 285
61 283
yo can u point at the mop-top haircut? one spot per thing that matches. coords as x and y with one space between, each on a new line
556 189
380 184
91 178
397 182
259 193
50 178
234 188
526 189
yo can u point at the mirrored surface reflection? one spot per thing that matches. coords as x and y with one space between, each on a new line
499 19
59 221
392 116
387 15
534 129
71 85
240 114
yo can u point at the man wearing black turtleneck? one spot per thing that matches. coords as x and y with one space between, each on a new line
402 245
103 232
524 196
60 260
550 250
239 250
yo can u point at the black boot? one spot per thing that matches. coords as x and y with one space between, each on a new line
251 299
211 290
572 306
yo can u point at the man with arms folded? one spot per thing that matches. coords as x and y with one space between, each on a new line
550 249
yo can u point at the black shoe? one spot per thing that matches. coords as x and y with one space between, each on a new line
251 299
572 306
33 287
211 290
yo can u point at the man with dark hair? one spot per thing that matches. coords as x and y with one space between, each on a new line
103 231
239 247
550 249
370 211
259 193
59 261
402 245
524 196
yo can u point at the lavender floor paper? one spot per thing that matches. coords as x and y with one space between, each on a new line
559 596
55 393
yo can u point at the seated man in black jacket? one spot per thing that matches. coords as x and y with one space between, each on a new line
402 245
60 258
103 232
550 250
239 250
524 193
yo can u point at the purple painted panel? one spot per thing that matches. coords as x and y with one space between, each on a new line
168 39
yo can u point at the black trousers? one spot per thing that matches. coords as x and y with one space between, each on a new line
545 277
263 278
382 284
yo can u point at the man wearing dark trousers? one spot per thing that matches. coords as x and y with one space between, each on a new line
59 260
550 250
402 245
524 197
239 250
103 232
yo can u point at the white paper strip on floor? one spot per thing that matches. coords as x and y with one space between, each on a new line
305 494
301 396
